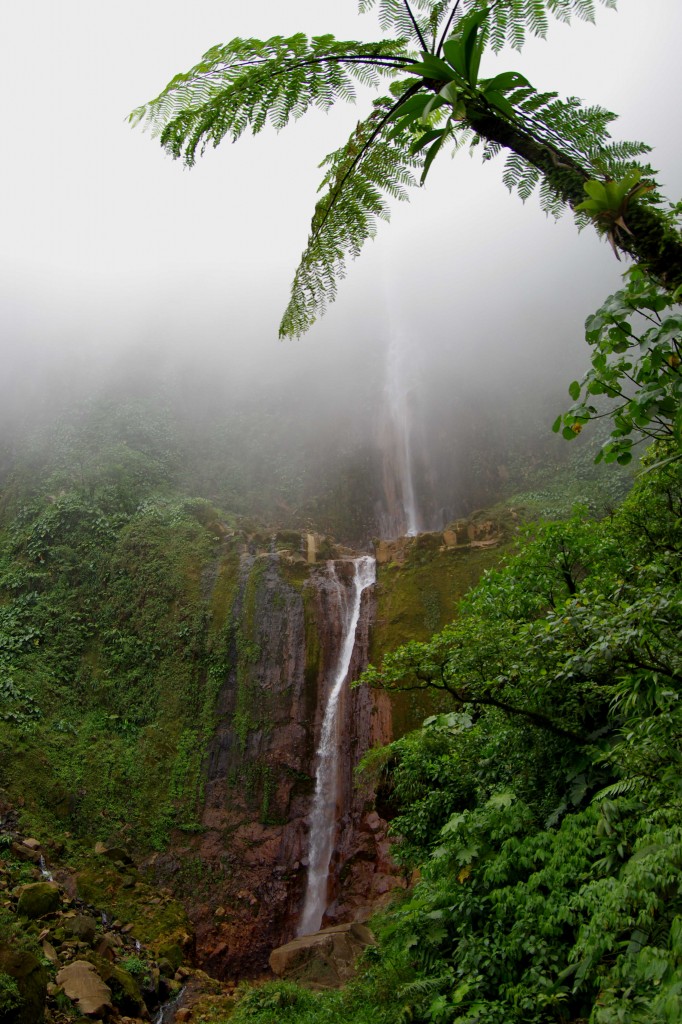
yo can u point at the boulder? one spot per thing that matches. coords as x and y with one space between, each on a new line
82 927
166 969
172 952
25 853
38 899
50 953
113 853
107 946
325 959
84 987
125 992
25 987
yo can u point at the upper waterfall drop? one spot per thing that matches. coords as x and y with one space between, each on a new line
324 812
399 414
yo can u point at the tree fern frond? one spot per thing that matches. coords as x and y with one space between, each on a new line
569 131
416 20
247 82
578 132
490 150
375 163
622 788
520 176
550 201
511 20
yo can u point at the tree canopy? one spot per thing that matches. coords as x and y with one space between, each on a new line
432 96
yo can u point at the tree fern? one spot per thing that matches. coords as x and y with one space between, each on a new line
556 143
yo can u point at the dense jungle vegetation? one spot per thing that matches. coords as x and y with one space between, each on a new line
539 818
542 814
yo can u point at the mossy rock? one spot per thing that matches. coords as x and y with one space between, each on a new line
23 988
151 922
172 952
38 899
125 992
81 927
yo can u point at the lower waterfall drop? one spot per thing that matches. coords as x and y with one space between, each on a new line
323 814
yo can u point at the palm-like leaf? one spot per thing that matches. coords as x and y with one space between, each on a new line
247 82
509 20
375 163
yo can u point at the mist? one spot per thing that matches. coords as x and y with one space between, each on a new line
125 277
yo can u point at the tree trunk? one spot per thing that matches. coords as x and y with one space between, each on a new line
652 243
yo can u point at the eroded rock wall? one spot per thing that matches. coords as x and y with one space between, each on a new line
284 634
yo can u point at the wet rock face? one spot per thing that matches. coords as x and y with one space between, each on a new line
260 772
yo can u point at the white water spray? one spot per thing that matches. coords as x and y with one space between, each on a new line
45 871
323 814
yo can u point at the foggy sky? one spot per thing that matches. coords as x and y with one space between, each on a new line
112 254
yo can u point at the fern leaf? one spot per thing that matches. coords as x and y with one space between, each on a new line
510 21
417 21
247 83
375 163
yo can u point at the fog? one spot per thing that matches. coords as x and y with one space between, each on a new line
124 273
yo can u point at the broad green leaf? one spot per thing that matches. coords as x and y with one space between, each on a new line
431 155
454 54
427 138
596 190
505 81
500 102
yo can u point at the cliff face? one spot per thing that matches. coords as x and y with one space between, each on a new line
182 713
280 618
285 631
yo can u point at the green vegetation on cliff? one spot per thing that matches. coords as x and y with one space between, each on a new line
543 810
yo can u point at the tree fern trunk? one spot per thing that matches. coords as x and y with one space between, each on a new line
652 243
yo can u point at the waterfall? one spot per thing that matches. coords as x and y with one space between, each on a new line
399 414
324 812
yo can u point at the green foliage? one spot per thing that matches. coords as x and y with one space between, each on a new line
608 201
107 704
10 997
551 872
636 339
134 965
375 162
246 83
434 59
530 640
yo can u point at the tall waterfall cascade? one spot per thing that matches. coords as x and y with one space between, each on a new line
324 811
399 415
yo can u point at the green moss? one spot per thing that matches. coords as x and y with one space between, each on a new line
224 589
153 923
38 899
416 599
23 987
